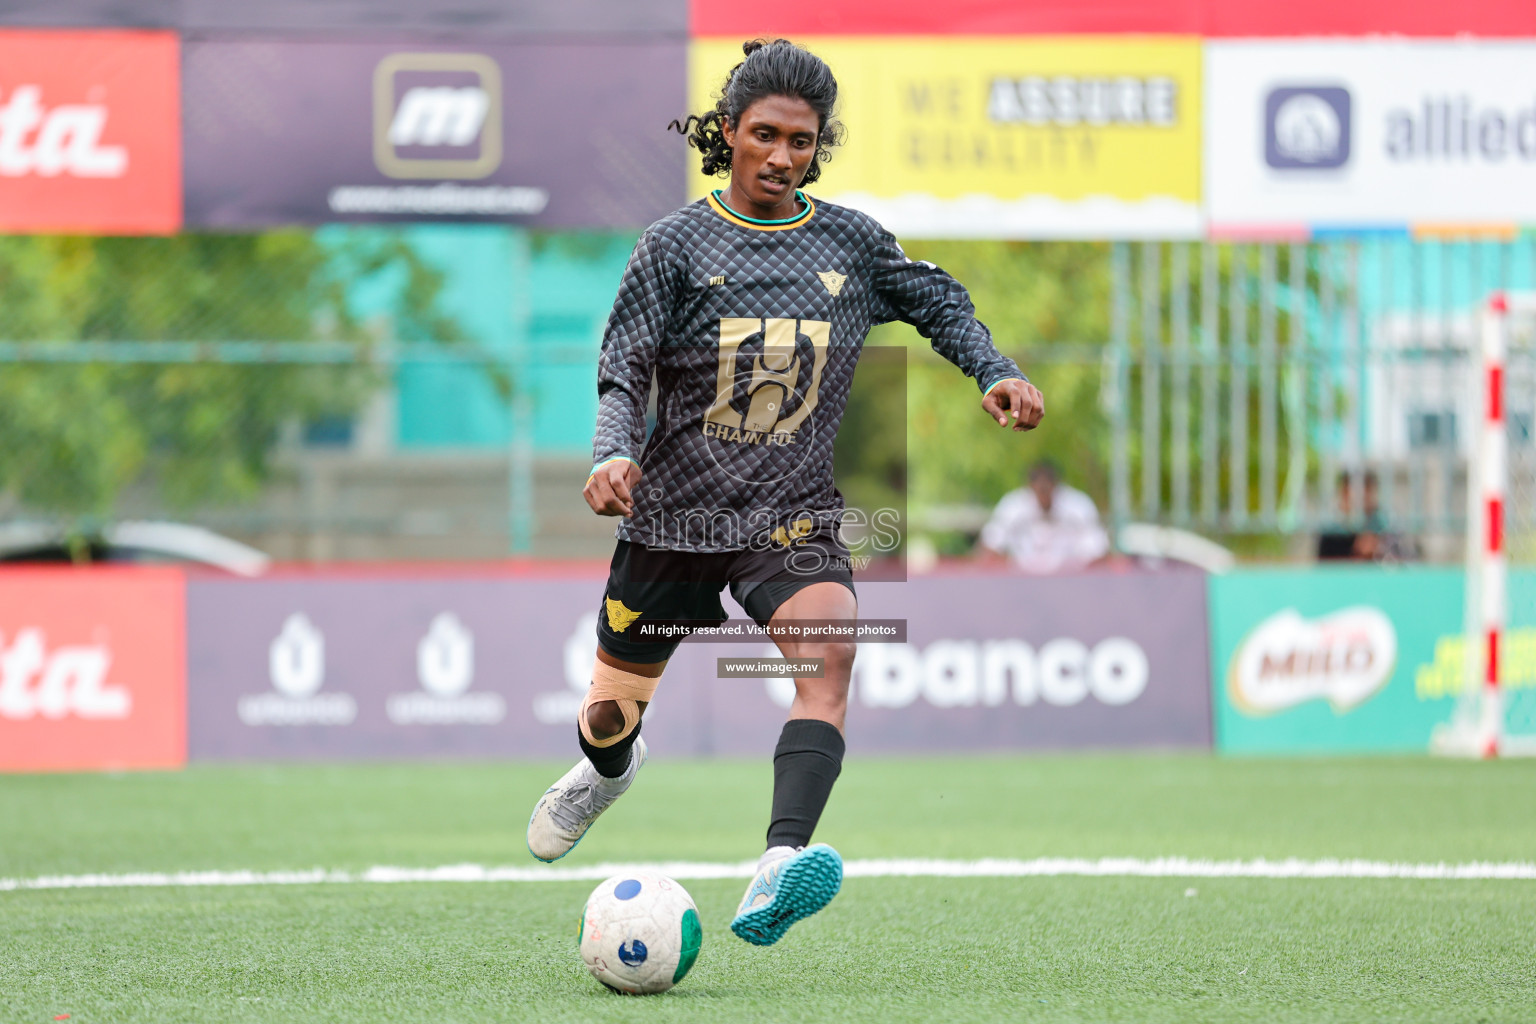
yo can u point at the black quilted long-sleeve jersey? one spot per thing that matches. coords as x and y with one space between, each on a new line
752 330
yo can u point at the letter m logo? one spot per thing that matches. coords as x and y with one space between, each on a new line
439 117
443 101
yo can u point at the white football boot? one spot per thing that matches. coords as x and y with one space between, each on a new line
569 807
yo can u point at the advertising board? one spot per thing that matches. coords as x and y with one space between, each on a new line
1005 137
337 668
90 132
1318 135
407 17
544 133
92 669
1007 662
1341 659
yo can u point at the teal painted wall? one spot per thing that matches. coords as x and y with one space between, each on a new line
1440 277
572 278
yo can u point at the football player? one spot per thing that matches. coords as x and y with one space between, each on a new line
748 309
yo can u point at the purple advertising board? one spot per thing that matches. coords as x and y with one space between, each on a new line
569 17
1006 662
497 667
547 133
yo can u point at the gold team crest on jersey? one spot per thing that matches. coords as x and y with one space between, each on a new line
833 280
770 383
619 617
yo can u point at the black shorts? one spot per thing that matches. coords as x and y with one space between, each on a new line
672 586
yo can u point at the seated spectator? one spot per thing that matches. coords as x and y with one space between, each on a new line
1046 526
1369 541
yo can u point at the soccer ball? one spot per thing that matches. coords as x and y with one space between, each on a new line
639 933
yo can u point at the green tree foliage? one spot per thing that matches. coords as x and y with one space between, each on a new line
1030 295
75 435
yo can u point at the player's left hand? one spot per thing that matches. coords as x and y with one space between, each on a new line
1019 399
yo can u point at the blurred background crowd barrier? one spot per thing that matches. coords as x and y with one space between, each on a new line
145 667
114 667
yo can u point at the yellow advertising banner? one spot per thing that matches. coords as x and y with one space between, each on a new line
1006 137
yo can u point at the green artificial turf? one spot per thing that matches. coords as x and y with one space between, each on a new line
887 949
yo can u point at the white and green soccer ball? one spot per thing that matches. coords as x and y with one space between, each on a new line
640 933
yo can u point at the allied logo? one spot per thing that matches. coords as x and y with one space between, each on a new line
1307 128
833 280
619 617
1343 658
717 279
437 115
632 953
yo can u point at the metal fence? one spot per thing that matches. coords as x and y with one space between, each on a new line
1287 389
1268 391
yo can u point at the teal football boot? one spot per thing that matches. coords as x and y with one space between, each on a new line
790 889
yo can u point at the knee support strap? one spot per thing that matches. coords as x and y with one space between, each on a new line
623 688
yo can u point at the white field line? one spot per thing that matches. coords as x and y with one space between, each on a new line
1105 867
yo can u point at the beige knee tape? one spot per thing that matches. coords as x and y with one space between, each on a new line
624 689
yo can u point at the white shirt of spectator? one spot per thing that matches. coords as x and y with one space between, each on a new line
1069 537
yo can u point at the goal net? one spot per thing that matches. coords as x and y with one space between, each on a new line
1495 712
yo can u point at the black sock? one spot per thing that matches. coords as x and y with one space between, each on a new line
611 761
805 765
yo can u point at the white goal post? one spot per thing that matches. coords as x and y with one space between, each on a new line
1491 719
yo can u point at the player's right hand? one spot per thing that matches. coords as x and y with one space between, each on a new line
1018 398
610 489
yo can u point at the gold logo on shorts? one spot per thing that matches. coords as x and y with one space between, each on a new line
833 280
619 617
794 533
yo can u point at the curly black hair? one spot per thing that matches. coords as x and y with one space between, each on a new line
777 68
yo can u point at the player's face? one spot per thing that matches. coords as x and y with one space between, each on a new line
771 149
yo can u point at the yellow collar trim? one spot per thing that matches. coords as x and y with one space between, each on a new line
763 225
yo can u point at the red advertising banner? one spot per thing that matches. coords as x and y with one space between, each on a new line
92 669
1051 17
90 132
